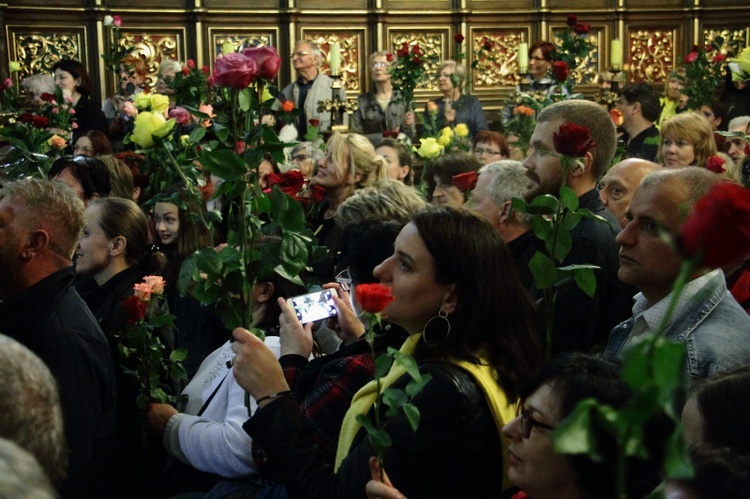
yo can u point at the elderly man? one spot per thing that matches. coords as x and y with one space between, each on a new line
498 183
736 145
581 322
40 224
640 108
310 88
618 184
713 327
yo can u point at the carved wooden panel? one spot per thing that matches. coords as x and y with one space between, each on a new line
587 68
38 49
433 42
241 38
153 45
354 53
734 39
495 52
651 54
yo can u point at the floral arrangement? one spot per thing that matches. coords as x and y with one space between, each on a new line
142 352
703 73
118 50
374 298
552 220
716 234
572 49
10 101
521 124
408 70
190 85
59 110
455 138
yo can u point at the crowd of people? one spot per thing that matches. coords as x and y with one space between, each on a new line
281 416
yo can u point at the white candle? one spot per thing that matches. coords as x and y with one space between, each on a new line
615 54
334 57
523 57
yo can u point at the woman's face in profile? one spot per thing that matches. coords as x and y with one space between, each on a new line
448 195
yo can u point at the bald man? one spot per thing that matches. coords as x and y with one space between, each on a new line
618 184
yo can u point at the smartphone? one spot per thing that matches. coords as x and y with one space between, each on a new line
313 306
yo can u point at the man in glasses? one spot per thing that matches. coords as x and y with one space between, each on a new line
310 88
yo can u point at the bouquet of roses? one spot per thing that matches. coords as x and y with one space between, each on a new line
703 73
118 50
141 348
522 126
408 71
455 138
190 85
59 110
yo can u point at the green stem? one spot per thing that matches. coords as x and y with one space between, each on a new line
188 185
621 466
378 398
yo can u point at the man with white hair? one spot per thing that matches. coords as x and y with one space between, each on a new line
310 88
736 145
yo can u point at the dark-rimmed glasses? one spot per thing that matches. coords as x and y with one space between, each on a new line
528 422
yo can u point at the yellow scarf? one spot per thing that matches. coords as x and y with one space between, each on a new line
484 375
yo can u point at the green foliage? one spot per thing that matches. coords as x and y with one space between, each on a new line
704 70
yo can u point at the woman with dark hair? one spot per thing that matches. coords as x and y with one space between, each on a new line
715 415
540 61
92 143
181 232
438 177
471 329
88 177
73 79
546 400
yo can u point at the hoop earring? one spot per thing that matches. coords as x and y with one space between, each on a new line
438 326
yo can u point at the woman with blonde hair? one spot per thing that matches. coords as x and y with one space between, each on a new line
454 107
673 101
350 164
381 110
686 140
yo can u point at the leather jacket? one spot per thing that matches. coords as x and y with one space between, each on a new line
455 452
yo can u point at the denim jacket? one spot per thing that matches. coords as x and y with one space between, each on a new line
715 331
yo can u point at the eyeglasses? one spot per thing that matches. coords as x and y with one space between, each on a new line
300 157
528 422
380 64
479 152
300 54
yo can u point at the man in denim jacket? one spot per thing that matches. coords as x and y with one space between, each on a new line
707 319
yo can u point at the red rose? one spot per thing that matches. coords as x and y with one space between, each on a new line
404 50
459 38
416 50
582 28
185 71
135 308
271 180
465 181
696 48
392 134
26 118
235 71
318 193
487 45
190 64
719 226
181 115
266 59
560 71
389 57
47 97
573 140
373 297
691 57
39 121
206 70
416 60
314 122
293 180
572 20
716 164
720 57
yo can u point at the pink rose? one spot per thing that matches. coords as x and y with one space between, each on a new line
209 110
7 83
267 60
156 282
142 291
691 57
235 71
55 110
117 21
181 115
191 64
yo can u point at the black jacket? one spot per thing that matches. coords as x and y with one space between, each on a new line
89 116
455 452
52 321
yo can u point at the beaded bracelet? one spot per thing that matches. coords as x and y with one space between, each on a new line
273 396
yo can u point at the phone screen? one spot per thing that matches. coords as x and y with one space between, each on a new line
313 306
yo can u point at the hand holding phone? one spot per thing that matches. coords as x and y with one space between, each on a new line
313 306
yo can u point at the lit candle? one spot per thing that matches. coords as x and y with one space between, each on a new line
615 54
334 57
523 57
